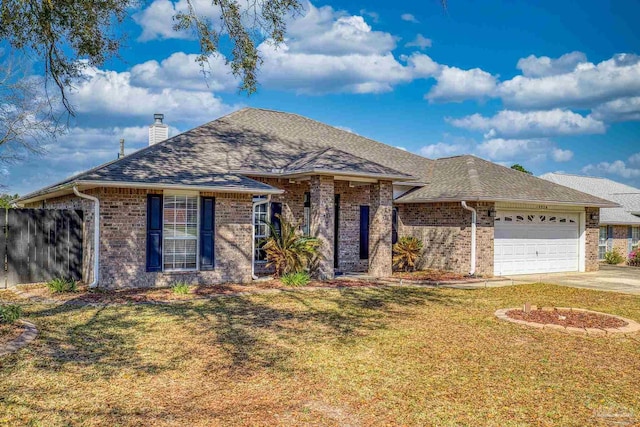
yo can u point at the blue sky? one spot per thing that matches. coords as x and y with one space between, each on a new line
553 85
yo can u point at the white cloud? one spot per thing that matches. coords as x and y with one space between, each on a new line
442 149
181 71
509 123
619 110
617 167
560 155
110 93
588 86
409 18
533 66
375 16
421 42
157 21
533 150
457 85
635 159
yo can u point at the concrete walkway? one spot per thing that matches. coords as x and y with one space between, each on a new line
609 278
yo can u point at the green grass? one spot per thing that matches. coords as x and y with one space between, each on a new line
377 356
60 285
301 278
180 288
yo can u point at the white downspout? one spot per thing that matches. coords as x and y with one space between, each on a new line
473 237
96 235
253 236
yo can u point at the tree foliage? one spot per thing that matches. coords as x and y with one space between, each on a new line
521 168
6 200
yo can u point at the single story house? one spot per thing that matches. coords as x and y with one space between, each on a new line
188 207
619 227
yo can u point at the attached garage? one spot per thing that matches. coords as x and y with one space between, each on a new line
536 242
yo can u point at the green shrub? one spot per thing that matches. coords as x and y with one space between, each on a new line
613 257
59 285
287 250
180 288
10 313
406 253
301 278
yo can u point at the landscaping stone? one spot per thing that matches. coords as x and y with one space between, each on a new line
28 335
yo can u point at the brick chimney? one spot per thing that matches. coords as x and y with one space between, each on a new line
121 153
158 131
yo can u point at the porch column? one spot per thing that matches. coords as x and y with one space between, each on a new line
380 252
322 222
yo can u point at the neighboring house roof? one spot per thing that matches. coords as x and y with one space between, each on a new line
626 196
221 156
471 178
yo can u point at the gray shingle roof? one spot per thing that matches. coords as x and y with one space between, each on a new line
224 153
471 178
626 196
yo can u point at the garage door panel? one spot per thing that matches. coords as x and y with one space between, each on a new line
534 242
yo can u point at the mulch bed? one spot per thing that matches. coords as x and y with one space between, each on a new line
431 275
10 332
568 318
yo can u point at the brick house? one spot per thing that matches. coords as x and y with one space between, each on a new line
619 226
188 207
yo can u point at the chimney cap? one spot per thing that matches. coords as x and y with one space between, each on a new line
158 117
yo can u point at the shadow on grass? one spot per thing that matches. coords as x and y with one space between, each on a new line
253 331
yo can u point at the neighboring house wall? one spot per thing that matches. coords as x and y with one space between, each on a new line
123 239
621 239
445 230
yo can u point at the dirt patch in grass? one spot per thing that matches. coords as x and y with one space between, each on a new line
9 332
570 318
431 275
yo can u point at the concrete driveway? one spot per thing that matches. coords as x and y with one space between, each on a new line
609 278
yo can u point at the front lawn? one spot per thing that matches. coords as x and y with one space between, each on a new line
352 356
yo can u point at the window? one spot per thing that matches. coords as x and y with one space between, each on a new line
261 229
602 242
364 232
180 232
635 237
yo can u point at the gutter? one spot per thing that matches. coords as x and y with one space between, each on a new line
253 236
473 236
96 235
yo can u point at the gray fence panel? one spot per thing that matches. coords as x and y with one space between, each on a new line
3 248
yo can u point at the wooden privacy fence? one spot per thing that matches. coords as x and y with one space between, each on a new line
37 245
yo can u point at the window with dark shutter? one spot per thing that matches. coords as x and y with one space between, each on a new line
207 233
364 232
394 227
154 232
276 211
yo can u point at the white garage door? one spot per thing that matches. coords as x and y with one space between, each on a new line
535 242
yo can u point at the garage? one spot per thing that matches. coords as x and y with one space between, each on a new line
536 242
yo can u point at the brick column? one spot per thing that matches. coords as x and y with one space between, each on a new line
592 236
380 251
322 222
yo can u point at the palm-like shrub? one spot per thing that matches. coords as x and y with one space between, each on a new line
287 250
406 253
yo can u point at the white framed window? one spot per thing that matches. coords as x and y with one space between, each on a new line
306 225
261 229
180 232
602 242
635 237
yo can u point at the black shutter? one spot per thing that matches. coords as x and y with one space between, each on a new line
207 233
364 232
154 232
276 209
394 227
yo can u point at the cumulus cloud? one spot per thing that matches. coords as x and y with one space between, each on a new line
182 71
619 110
560 155
442 149
587 86
409 18
635 159
111 93
509 123
156 20
456 85
616 168
421 42
534 66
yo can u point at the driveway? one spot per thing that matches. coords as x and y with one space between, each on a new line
609 278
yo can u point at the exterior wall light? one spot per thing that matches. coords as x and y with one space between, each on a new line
594 217
492 213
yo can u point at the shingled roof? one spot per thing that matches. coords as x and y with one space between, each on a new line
473 179
224 154
626 196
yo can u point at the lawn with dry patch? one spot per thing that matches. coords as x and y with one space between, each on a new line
349 356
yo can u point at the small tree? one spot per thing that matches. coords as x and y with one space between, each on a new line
519 167
6 200
287 250
406 253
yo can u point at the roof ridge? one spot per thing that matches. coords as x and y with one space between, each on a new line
474 179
